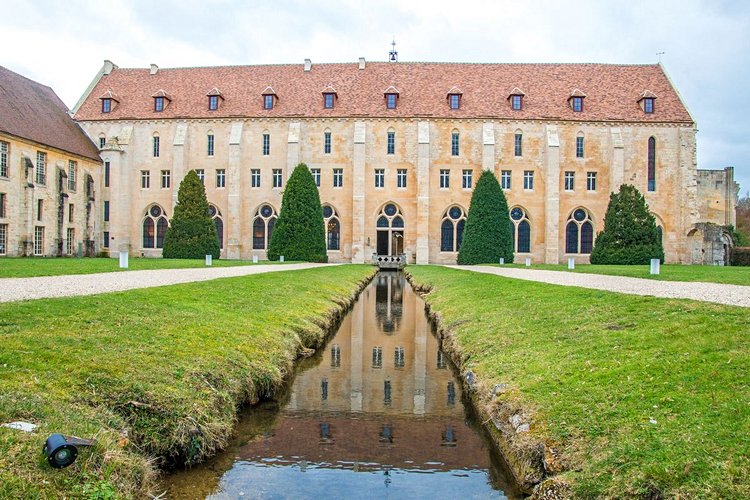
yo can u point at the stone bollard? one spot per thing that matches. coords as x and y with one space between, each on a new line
502 260
123 260
281 258
209 260
655 266
255 259
528 261
571 263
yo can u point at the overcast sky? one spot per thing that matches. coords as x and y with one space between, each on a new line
706 44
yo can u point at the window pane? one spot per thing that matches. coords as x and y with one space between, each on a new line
259 234
571 237
161 230
460 233
446 236
587 237
148 232
524 236
219 231
333 234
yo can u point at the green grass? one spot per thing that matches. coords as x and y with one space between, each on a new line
26 267
156 372
638 394
733 275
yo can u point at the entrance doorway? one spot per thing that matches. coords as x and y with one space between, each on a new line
390 231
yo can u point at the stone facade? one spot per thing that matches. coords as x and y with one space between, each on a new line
556 151
48 216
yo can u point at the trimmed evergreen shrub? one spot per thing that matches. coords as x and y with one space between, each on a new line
630 235
487 236
191 233
299 233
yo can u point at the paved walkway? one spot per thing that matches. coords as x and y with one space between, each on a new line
733 295
42 287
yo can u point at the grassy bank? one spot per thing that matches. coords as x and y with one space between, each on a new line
26 267
637 395
156 372
734 275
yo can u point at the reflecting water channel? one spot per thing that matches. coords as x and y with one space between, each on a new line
377 413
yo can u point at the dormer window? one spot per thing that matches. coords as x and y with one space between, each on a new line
108 101
391 97
516 99
269 95
329 97
160 101
454 98
647 101
214 96
576 100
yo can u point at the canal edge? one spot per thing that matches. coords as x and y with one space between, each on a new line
532 462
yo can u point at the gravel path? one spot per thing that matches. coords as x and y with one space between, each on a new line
733 295
13 289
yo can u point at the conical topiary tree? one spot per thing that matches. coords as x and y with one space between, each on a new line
630 235
299 233
191 233
488 235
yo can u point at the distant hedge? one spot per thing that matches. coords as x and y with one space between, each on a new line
741 256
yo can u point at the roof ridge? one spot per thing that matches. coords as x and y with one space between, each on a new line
402 63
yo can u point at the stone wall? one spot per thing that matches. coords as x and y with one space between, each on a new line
23 193
616 152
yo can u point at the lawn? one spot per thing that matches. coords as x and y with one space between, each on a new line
25 267
734 275
157 372
639 395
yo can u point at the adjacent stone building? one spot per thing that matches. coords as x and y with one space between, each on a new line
397 148
49 174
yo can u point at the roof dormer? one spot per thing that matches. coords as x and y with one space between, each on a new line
214 97
329 97
161 100
516 99
391 97
576 100
454 97
109 101
647 101
269 97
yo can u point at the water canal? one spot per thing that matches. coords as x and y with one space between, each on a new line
376 413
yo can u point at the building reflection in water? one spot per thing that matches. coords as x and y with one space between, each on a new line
379 399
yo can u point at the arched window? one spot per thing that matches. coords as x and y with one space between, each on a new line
155 226
452 229
660 232
333 228
651 164
218 222
263 223
390 230
521 229
579 232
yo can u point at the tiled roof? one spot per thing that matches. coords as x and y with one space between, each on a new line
33 111
612 91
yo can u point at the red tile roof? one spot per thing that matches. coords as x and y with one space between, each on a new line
33 111
612 91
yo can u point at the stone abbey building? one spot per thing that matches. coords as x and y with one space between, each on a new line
396 149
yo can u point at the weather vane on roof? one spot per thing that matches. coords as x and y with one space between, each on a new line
659 54
393 55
